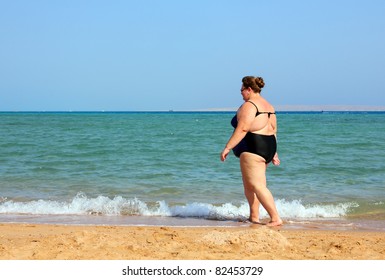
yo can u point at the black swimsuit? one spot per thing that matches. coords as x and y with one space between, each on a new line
259 144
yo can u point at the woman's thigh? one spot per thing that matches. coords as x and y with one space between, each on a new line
253 168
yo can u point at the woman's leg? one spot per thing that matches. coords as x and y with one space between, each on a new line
253 205
253 170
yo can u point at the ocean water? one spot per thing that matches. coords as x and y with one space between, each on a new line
164 168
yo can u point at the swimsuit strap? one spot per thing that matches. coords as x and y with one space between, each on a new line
255 107
258 113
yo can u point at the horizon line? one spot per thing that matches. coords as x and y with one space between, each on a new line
278 108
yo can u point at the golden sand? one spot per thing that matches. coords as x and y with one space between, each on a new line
64 242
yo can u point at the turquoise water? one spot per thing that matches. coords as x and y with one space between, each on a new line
167 164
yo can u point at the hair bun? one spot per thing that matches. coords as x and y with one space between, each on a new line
259 81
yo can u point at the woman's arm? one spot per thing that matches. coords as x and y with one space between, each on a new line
245 116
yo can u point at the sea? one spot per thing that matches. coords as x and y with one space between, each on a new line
164 168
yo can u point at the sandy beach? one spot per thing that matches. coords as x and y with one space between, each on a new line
73 242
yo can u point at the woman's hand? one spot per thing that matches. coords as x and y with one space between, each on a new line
224 154
276 160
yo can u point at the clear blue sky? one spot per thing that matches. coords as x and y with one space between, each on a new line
187 55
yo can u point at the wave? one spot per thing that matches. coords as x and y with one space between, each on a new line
119 206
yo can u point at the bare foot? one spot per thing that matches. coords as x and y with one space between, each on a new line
256 222
274 223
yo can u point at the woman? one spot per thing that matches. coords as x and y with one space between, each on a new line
254 142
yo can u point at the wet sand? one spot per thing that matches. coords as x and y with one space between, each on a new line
93 242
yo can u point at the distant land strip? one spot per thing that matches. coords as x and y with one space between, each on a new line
317 108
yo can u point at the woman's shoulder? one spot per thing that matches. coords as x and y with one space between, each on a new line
248 106
246 110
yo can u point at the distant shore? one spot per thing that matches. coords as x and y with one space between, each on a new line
315 108
328 108
279 108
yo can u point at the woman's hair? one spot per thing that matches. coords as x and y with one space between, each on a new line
255 83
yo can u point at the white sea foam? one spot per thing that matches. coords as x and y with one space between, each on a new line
102 205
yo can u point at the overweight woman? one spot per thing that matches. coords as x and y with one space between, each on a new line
254 141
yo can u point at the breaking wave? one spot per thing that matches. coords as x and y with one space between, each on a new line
119 206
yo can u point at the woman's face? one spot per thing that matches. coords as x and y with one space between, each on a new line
245 92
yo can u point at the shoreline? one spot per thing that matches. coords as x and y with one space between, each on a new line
111 242
372 223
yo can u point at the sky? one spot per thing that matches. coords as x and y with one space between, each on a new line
144 55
